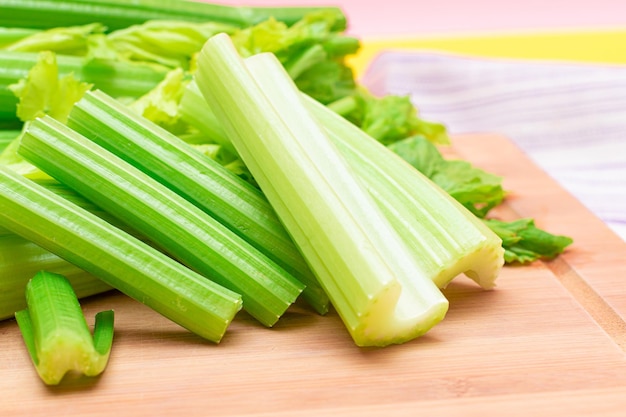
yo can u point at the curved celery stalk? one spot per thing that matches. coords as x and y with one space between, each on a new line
202 181
370 275
120 260
169 221
56 333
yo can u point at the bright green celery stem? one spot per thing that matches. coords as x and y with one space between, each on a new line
118 79
56 333
162 216
115 257
451 239
21 259
361 261
232 201
117 14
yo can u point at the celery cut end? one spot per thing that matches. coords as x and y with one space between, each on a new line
400 315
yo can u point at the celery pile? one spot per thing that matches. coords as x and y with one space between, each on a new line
204 158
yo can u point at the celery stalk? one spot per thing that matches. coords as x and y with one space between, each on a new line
162 216
371 276
120 260
116 14
56 333
202 181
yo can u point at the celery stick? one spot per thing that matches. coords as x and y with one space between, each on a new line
207 184
371 276
118 259
116 14
165 218
56 333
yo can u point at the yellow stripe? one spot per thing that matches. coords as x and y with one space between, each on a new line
608 46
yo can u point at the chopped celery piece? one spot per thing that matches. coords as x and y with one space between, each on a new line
232 201
162 216
116 14
56 333
370 275
120 260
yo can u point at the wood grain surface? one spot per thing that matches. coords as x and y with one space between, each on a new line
548 341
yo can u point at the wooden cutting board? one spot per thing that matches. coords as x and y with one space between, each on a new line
549 341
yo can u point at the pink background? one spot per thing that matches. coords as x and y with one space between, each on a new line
383 18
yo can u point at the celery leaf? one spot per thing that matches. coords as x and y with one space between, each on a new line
42 92
477 190
161 104
523 242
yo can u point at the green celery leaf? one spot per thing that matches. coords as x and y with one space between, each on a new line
161 104
391 118
168 43
477 190
311 50
42 92
523 242
327 81
282 40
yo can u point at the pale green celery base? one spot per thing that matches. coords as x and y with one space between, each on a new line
399 314
63 353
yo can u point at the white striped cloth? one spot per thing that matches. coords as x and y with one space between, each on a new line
569 118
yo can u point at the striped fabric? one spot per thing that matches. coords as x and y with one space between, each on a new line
569 118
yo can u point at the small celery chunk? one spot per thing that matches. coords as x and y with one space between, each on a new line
56 333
